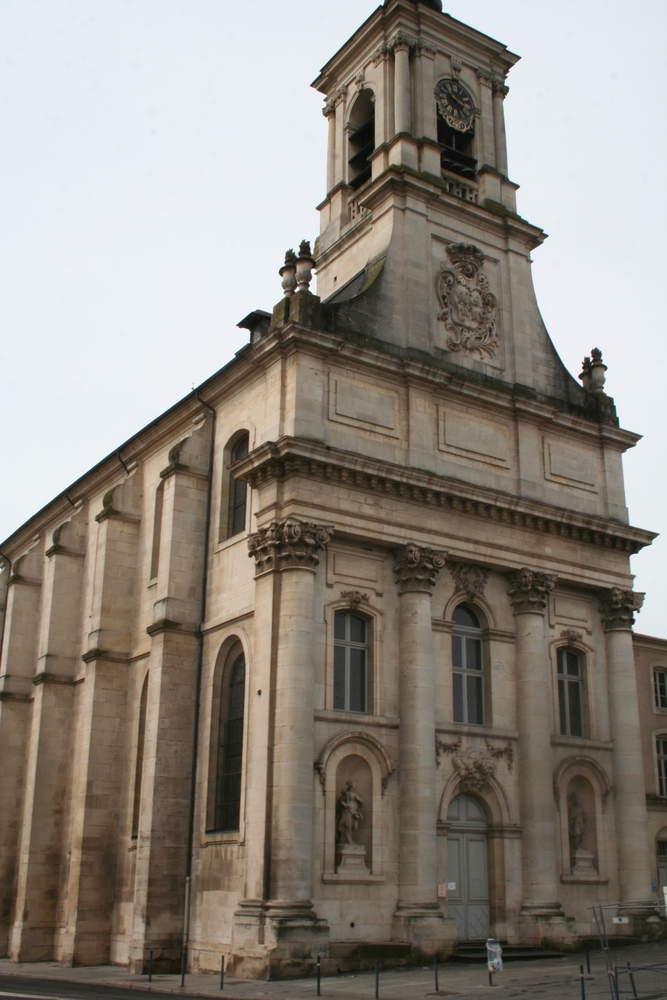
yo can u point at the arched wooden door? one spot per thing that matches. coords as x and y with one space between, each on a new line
467 867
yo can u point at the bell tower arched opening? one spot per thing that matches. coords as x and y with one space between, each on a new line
361 139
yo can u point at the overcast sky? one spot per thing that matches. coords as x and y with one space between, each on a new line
159 156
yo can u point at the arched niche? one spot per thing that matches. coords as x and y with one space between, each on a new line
582 785
356 757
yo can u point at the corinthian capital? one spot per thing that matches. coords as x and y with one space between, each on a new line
530 591
288 544
416 568
618 608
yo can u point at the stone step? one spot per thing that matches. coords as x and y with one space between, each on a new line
475 952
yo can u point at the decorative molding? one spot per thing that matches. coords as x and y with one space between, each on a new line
468 307
426 49
416 568
288 457
530 591
571 636
485 76
618 608
456 67
354 598
468 578
402 40
380 54
447 748
499 87
499 752
288 544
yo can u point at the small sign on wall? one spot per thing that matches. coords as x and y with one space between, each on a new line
620 920
451 886
442 892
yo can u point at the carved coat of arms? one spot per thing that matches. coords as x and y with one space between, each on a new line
468 307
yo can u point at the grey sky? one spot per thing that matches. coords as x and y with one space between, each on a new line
159 156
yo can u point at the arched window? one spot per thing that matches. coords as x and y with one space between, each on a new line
229 755
350 679
570 693
362 139
467 667
139 763
238 491
157 530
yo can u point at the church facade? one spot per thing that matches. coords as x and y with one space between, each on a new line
335 657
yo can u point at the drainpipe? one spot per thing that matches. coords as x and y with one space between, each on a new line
2 630
198 673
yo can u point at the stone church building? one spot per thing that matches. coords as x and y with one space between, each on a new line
336 654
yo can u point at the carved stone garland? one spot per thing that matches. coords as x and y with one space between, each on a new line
416 568
618 608
530 591
468 579
474 767
354 598
468 307
288 544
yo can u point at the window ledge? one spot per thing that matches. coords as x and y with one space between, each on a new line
226 543
581 741
358 718
221 838
595 878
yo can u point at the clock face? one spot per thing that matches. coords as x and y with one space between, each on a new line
456 105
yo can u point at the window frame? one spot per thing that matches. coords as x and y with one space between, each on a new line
661 762
227 483
231 651
463 632
576 681
662 671
347 644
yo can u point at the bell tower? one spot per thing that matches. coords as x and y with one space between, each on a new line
420 240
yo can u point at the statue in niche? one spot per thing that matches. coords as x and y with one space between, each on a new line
349 808
577 822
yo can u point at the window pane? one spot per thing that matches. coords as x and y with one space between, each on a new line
563 708
238 506
660 686
240 449
339 678
574 705
457 651
357 680
357 629
458 698
339 625
561 661
475 704
473 654
464 616
572 664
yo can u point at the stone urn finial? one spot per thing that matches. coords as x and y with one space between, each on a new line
304 266
288 273
597 370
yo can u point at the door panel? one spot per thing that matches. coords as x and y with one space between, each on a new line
455 878
467 868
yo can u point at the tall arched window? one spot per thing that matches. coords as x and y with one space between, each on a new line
139 763
157 530
350 679
467 667
230 745
238 490
362 139
570 693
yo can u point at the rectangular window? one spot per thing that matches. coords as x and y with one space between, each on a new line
468 683
569 693
660 688
350 674
661 747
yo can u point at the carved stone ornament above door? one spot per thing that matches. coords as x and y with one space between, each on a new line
468 307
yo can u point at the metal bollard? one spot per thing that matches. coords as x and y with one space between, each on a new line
183 968
588 958
222 973
150 966
490 978
583 982
319 972
435 973
377 979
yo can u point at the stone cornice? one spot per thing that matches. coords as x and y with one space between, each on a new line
290 456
